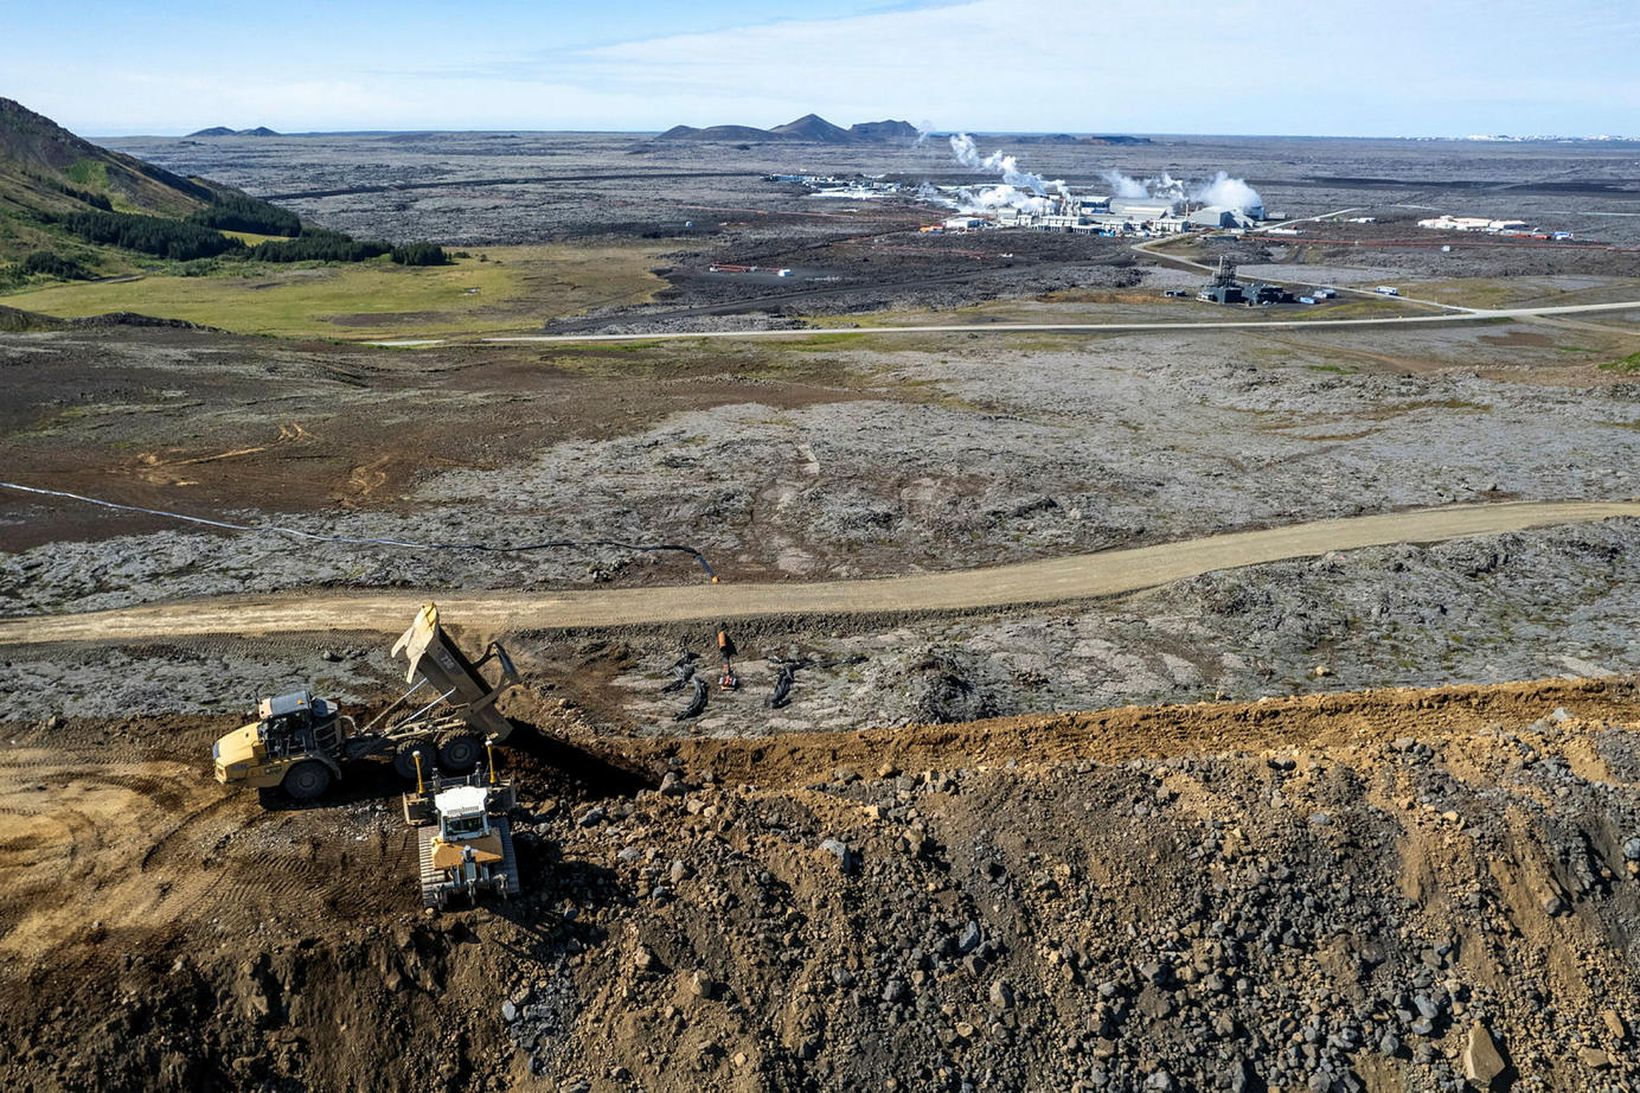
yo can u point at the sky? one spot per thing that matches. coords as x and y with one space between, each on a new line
1273 67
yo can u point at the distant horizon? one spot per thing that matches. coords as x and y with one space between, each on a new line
1477 138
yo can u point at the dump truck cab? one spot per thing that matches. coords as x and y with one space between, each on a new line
294 744
297 724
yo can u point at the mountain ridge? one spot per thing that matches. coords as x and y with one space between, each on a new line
47 170
72 210
225 131
808 129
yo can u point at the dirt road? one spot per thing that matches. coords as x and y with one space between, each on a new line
1453 314
1079 577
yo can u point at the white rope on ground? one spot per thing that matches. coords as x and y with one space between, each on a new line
351 540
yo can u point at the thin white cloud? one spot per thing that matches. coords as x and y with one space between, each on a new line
1278 66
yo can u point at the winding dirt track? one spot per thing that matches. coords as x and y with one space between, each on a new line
1080 577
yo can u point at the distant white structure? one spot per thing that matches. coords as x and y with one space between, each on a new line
1474 224
1148 215
1220 216
1142 208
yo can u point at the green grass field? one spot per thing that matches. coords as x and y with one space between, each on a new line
517 288
252 239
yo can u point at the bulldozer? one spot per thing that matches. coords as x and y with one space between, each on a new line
300 744
465 840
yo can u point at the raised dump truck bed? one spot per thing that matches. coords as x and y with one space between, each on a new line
437 661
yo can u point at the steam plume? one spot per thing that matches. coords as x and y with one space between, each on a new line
1019 189
1221 189
1028 192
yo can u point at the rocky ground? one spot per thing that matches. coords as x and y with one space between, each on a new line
863 888
711 203
1401 890
822 460
473 188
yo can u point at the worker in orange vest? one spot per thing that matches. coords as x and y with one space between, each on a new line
726 649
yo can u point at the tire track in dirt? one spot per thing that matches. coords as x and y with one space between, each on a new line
1085 576
153 847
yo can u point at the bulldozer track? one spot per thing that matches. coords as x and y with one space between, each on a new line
153 845
429 875
169 849
509 858
1084 576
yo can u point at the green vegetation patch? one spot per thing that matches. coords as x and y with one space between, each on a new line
157 235
320 246
1629 365
89 172
242 213
46 263
508 289
419 254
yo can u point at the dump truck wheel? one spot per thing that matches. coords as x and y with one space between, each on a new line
460 752
307 780
404 760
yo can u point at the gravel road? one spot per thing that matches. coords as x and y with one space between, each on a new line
1083 576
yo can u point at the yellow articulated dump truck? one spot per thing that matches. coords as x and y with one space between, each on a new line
300 744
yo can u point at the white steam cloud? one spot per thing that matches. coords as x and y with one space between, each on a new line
1028 192
1124 185
1221 189
1018 189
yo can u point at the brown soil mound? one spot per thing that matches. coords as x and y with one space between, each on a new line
1327 893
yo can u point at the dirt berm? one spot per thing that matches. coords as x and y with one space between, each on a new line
1377 890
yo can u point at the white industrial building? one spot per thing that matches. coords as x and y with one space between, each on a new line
1474 224
1124 216
1220 216
1141 209
1106 216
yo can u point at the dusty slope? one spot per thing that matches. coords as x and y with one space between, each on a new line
1314 894
1078 577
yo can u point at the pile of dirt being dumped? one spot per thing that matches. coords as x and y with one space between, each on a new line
1373 891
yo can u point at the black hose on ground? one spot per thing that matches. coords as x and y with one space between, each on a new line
350 540
782 688
682 673
697 702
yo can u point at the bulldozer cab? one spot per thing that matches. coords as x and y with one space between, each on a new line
463 813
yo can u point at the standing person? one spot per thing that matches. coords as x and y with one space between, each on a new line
727 650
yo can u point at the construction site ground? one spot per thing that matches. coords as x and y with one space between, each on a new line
1219 893
1174 710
